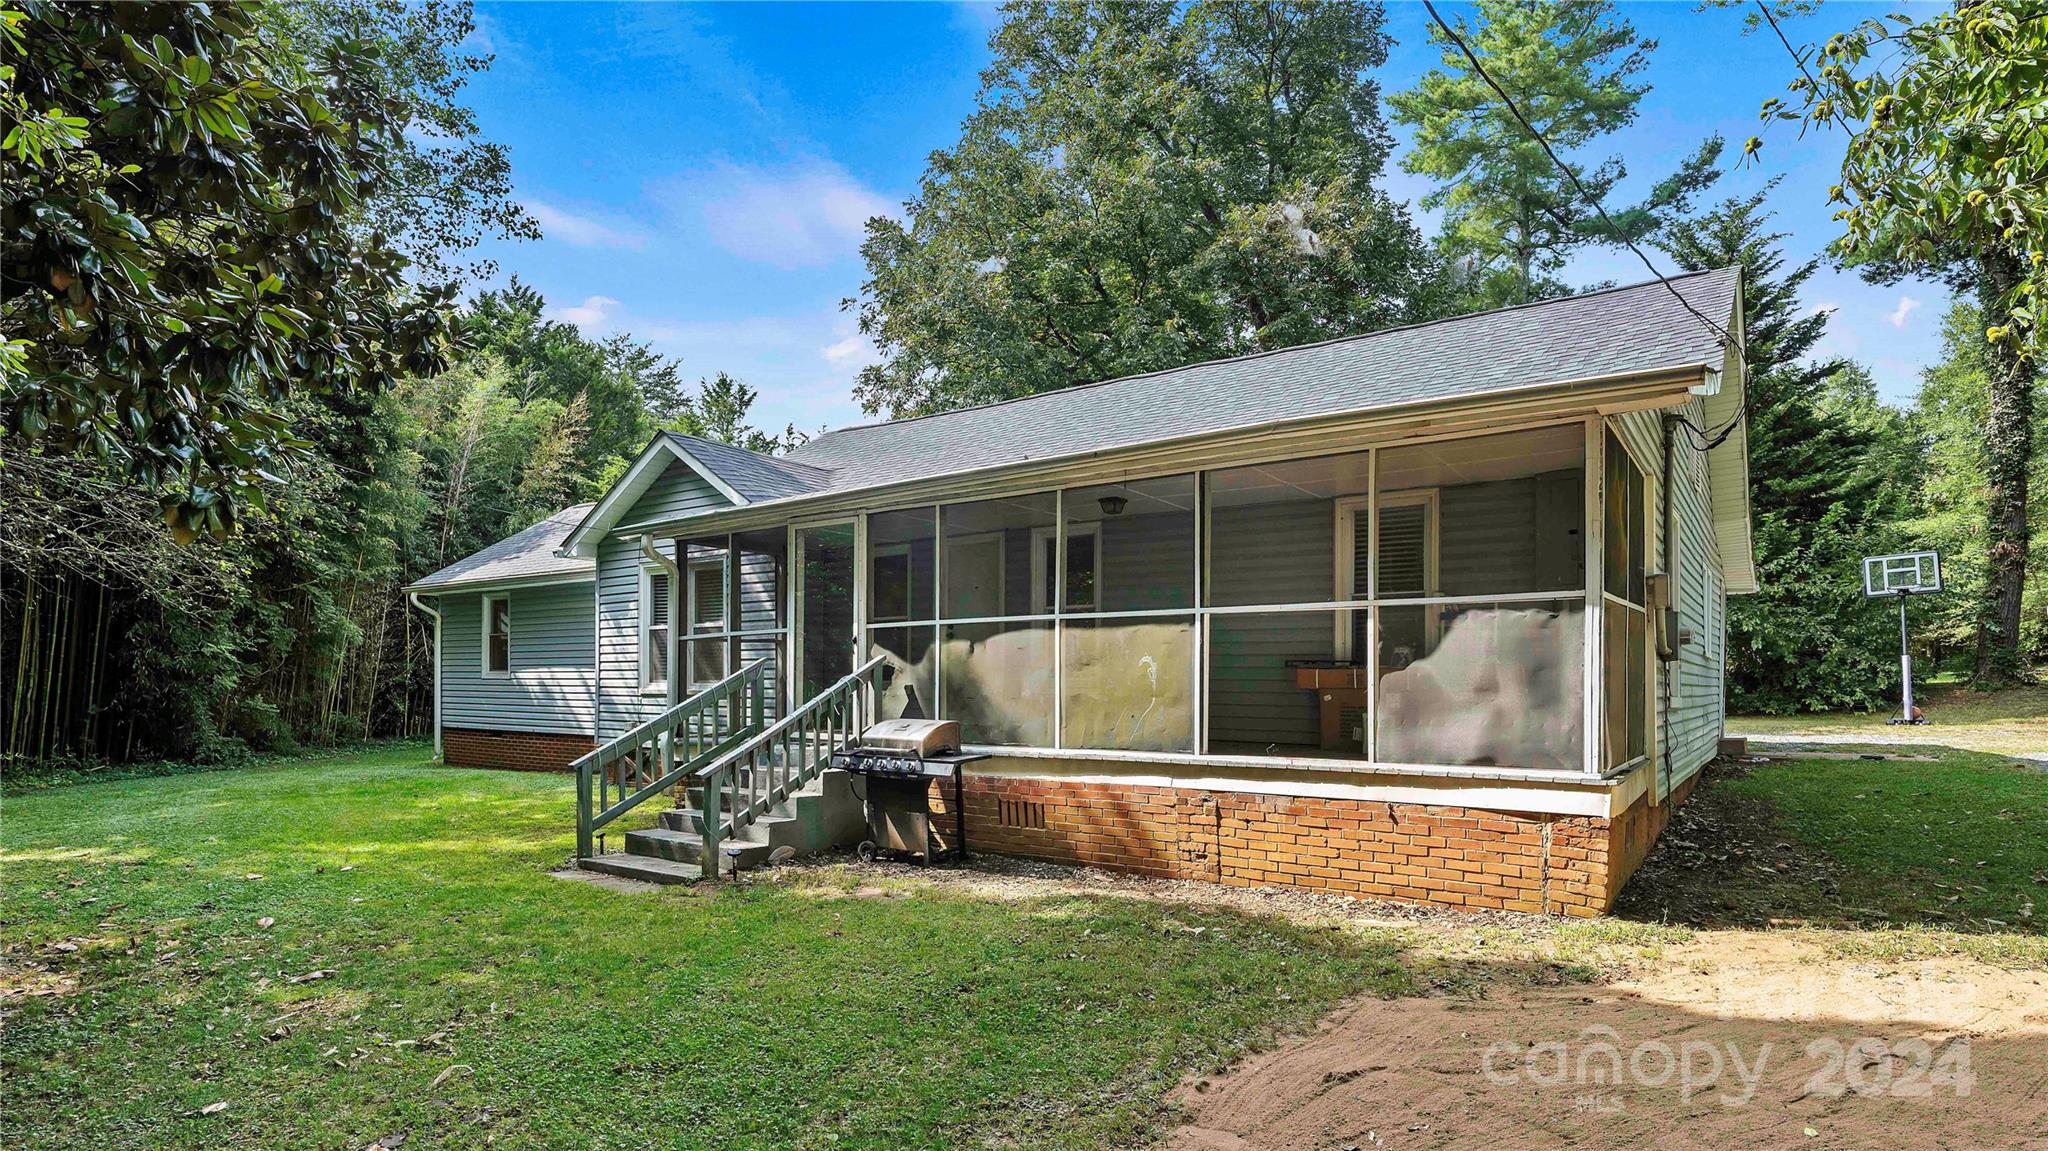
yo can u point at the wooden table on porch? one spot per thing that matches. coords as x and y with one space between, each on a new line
1337 686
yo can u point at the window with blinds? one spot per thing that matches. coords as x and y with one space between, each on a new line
658 598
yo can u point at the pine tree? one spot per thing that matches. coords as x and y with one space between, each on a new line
1825 483
1511 218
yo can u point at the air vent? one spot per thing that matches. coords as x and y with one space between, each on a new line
1020 813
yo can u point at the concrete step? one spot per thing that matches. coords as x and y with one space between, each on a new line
646 869
688 847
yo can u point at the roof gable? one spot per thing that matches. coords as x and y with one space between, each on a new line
529 556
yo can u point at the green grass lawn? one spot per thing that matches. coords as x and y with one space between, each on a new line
2010 721
371 946
1891 855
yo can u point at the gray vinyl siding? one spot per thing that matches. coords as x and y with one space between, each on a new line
1688 691
551 687
620 702
1268 553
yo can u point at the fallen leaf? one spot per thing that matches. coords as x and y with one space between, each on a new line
266 921
1812 1134
252 875
63 947
388 1142
450 1071
310 976
214 1108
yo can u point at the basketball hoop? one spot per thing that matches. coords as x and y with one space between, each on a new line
1902 575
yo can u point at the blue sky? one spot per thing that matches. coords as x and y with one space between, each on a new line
702 172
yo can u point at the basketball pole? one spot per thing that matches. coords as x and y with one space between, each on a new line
1905 661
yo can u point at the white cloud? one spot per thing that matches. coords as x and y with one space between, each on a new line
808 213
854 352
593 315
582 231
1905 308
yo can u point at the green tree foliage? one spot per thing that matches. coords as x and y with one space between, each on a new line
1143 185
442 187
1511 218
1943 175
180 241
1949 417
1827 486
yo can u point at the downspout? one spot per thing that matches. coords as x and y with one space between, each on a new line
1667 623
436 613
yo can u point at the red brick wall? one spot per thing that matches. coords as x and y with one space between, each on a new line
518 750
1454 856
1635 830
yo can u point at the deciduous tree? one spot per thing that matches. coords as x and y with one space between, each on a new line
1142 185
1946 174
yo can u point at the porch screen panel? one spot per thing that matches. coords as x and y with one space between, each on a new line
902 580
997 681
1501 684
1277 688
995 665
827 608
1141 538
1129 683
1625 643
1126 593
1488 669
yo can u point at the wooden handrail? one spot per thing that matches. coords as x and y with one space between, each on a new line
797 755
705 742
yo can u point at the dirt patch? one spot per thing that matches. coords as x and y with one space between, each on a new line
1739 1042
1724 863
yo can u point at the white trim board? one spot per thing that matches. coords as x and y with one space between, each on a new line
1567 796
653 461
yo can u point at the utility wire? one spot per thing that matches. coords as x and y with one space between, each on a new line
1707 440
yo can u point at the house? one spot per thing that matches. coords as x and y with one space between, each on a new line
1434 613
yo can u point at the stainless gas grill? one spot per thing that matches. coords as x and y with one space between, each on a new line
898 760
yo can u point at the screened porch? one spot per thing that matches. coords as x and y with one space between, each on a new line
1424 604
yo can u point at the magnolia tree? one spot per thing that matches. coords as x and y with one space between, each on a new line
185 249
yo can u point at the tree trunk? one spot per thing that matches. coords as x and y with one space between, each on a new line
2008 448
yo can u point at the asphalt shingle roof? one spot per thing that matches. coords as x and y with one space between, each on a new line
1613 332
752 474
528 555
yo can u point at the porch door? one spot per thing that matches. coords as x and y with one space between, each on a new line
824 607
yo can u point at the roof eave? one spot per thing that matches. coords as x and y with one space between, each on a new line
506 583
1688 375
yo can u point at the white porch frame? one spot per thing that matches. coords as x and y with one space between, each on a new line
1593 419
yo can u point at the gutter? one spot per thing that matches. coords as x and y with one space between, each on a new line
436 613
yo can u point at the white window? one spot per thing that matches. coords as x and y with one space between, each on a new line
1084 567
706 608
890 576
497 634
657 615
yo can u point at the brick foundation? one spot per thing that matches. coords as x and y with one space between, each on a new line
517 750
1452 856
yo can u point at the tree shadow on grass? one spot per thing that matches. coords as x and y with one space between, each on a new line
1732 858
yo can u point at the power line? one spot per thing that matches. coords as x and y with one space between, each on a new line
1707 441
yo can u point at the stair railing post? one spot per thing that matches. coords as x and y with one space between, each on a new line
711 822
583 813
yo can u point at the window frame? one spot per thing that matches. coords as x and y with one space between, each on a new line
648 572
691 634
1040 536
484 652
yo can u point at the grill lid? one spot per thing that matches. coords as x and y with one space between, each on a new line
919 737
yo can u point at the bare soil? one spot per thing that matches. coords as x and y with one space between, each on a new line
1741 1042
